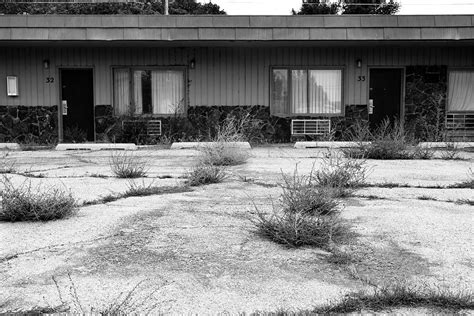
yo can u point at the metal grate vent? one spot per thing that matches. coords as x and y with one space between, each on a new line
310 127
143 127
460 125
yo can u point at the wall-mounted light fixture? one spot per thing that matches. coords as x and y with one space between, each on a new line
359 63
192 63
12 86
46 64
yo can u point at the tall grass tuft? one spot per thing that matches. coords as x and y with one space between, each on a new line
28 203
221 152
127 165
307 214
390 140
399 295
342 175
202 174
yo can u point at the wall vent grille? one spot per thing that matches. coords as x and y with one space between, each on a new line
310 127
143 127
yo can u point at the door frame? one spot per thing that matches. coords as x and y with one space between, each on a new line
60 68
402 88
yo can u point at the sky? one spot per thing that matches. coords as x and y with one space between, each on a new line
283 7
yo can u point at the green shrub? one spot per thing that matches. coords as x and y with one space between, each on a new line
202 174
127 165
28 203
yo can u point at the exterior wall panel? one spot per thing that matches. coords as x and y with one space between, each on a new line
228 76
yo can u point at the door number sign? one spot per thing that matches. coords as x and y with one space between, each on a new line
49 79
361 78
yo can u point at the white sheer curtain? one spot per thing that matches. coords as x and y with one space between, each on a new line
325 91
299 91
121 91
167 91
279 103
138 91
461 91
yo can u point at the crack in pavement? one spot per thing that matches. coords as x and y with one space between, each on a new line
14 256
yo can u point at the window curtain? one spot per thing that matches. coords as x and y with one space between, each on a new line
121 91
279 104
167 91
299 91
137 91
461 91
325 90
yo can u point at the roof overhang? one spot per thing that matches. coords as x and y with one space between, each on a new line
231 29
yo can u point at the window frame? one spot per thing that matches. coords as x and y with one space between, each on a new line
289 112
133 68
450 69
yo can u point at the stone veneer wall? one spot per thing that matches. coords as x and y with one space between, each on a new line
29 125
425 101
202 122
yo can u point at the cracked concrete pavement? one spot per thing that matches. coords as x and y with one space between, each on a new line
198 250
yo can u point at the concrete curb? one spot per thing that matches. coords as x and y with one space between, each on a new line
446 144
302 145
96 146
193 145
10 146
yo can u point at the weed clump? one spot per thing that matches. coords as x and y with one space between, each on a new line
127 165
389 141
308 214
399 295
28 203
221 152
202 174
300 195
341 175
298 229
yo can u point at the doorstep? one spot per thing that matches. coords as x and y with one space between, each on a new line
301 145
193 145
96 146
459 145
10 146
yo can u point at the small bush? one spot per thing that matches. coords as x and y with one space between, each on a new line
202 174
308 214
341 174
297 229
399 296
468 184
220 153
389 141
136 189
6 166
301 196
126 165
27 203
451 152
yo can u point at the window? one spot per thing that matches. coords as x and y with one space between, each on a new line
148 91
306 91
461 91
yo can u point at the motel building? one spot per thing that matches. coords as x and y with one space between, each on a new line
95 75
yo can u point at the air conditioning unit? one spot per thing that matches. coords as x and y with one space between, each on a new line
143 127
310 127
